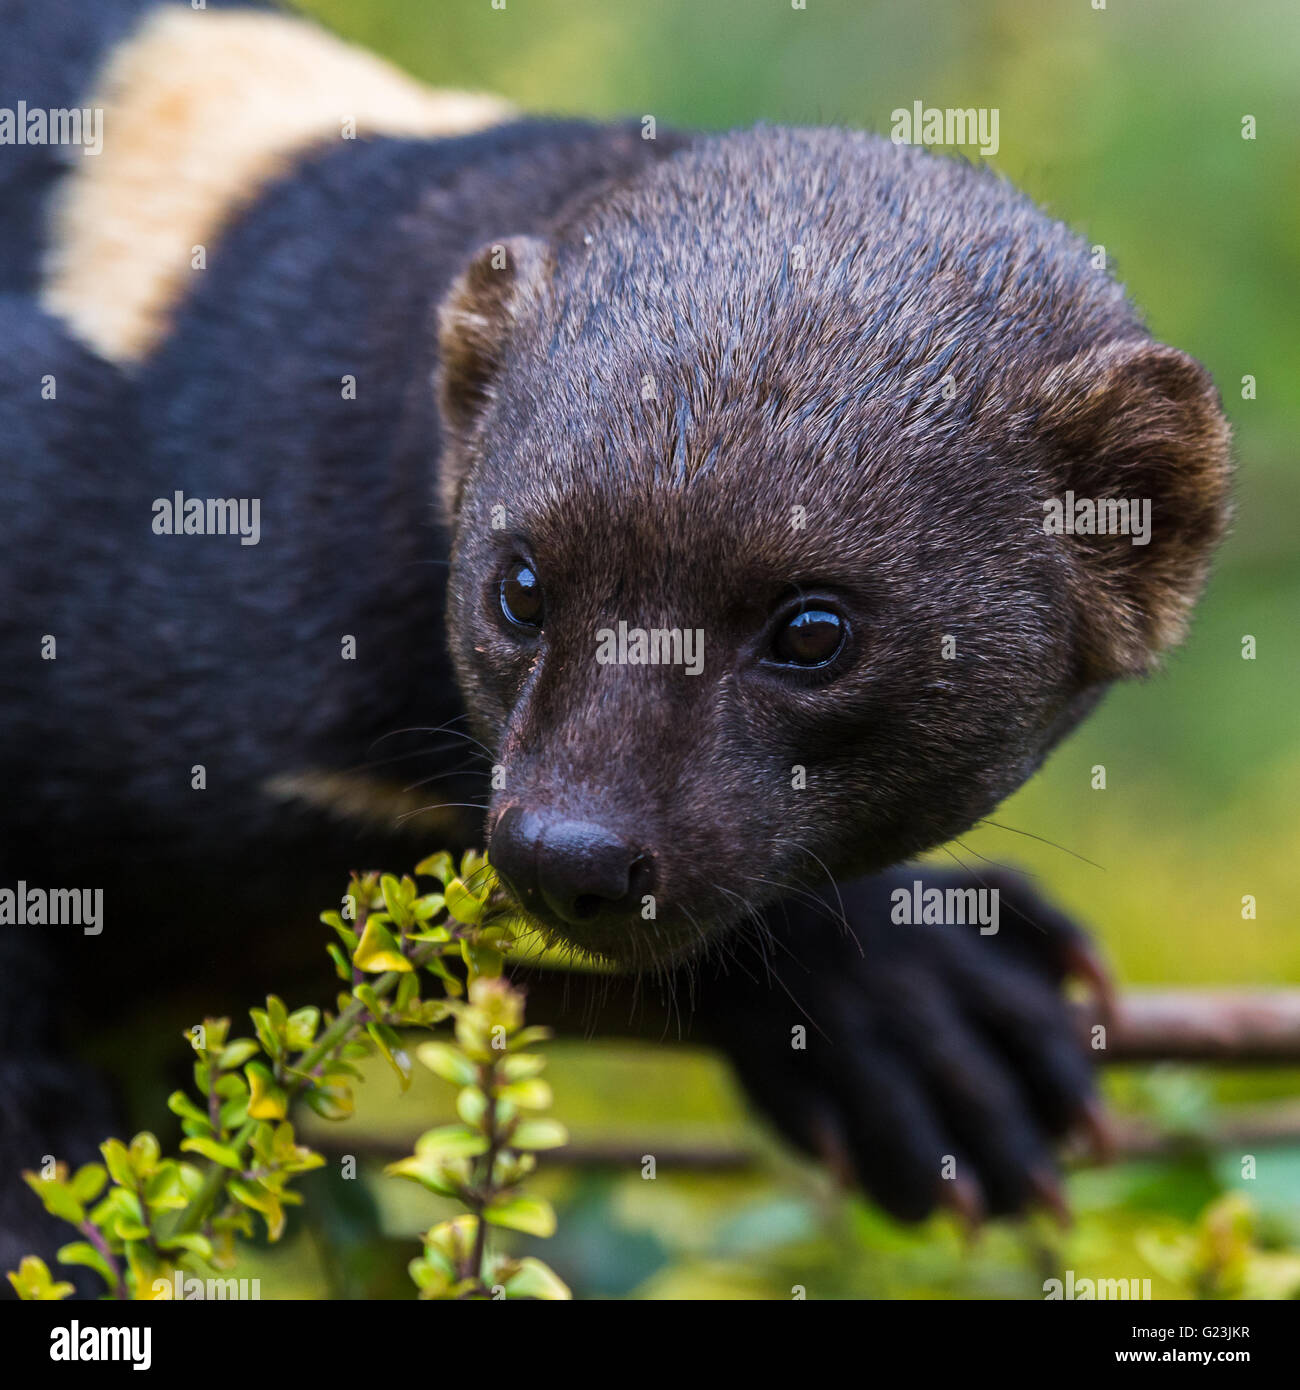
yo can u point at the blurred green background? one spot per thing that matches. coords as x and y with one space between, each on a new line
1126 123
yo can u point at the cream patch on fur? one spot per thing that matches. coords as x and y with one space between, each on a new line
201 108
356 797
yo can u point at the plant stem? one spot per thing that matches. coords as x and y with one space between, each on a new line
486 1191
338 1030
196 1213
214 1177
96 1237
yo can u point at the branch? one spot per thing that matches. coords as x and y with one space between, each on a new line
1241 1026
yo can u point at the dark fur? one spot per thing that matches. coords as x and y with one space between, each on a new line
776 387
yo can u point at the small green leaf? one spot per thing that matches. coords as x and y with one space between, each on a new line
533 1279
145 1151
192 1241
82 1252
266 1099
235 1111
510 1167
261 1199
209 1148
471 1106
431 1281
519 1066
463 905
389 1043
365 994
440 866
119 1162
266 1034
231 1086
345 933
538 1134
145 1265
482 960
88 1182
451 1141
449 1062
532 1215
378 950
436 934
57 1197
181 1104
452 1239
447 1178
422 909
407 992
475 870
450 983
33 1282
330 1102
300 1029
530 1094
165 1189
398 897
236 1053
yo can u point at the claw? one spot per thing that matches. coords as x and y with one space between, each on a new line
962 1196
1099 1129
1045 1185
1083 960
832 1147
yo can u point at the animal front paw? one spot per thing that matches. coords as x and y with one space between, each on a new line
933 1062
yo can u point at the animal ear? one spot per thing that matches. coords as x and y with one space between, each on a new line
1139 422
476 321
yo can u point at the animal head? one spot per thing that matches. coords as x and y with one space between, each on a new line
765 471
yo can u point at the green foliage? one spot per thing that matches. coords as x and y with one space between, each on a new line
142 1216
482 1161
1222 1255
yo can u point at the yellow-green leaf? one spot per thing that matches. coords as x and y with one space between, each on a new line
529 1094
236 1053
533 1279
378 951
451 1141
209 1148
33 1282
57 1197
538 1134
445 1177
389 1043
81 1252
532 1215
440 866
463 905
449 1062
266 1100
300 1027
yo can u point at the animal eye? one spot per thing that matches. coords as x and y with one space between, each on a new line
812 637
521 595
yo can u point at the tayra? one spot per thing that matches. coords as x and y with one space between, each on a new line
799 396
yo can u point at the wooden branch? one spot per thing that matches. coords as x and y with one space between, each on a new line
1238 1127
1246 1027
1237 1026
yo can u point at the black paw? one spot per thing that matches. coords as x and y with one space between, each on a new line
934 1064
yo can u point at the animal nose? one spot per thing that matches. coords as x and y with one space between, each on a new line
570 869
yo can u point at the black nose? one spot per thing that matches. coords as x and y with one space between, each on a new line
571 869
